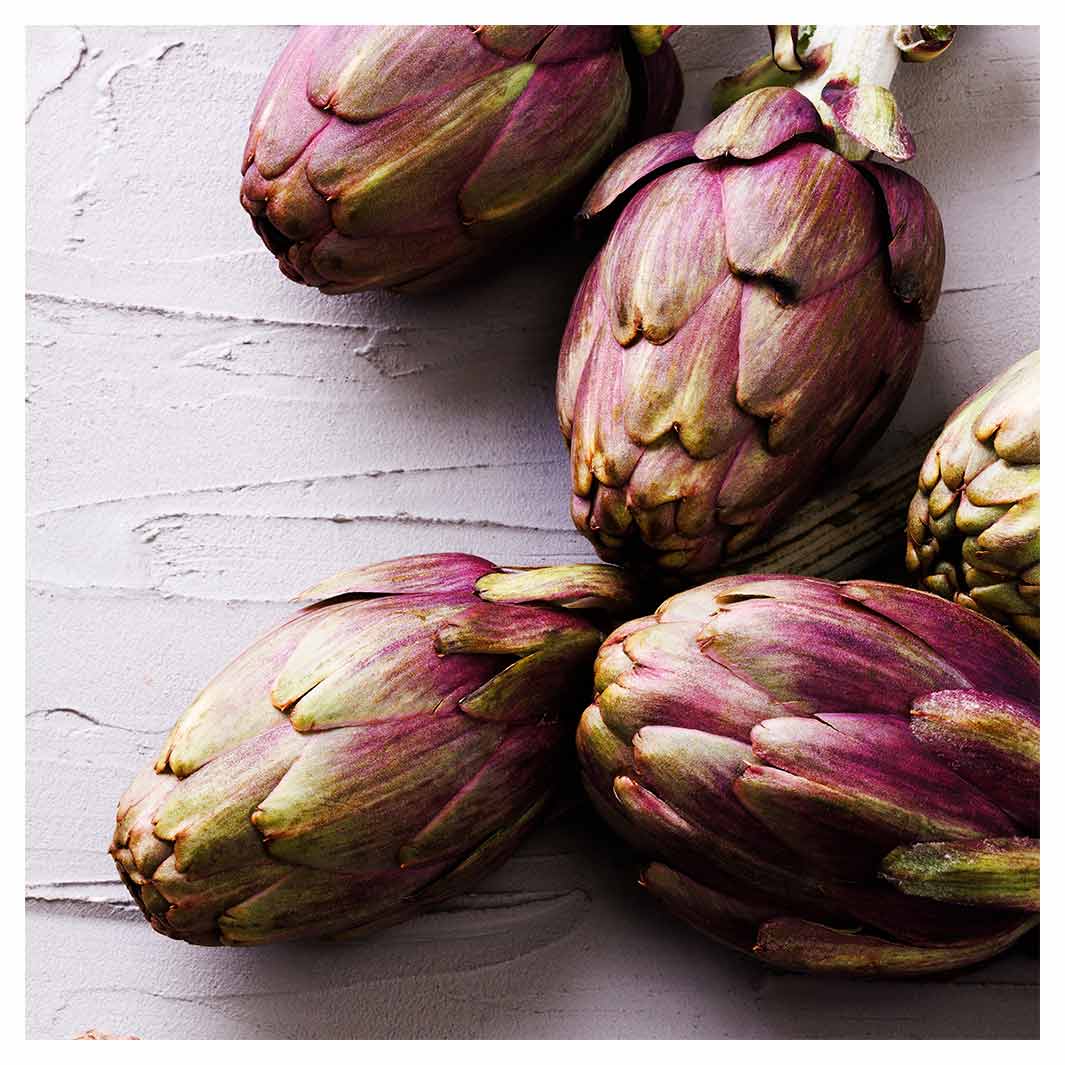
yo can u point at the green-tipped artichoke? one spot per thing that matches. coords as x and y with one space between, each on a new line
973 529
753 320
379 752
832 777
401 156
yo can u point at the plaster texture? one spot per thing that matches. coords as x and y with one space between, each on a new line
207 438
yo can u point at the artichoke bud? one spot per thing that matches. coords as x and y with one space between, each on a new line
799 808
382 750
976 513
403 157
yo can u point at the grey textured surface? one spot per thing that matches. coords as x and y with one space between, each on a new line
207 438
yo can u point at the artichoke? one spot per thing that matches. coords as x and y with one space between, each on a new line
753 321
399 156
379 752
973 528
831 777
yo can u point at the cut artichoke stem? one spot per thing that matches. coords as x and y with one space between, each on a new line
648 39
761 74
846 72
861 55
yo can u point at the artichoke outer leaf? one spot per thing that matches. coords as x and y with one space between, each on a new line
991 741
916 248
600 449
355 794
820 657
669 391
538 685
235 705
1014 538
136 848
706 601
310 903
724 918
693 772
634 167
665 255
603 754
359 631
801 393
410 171
795 944
513 778
733 858
990 660
396 672
757 124
870 114
986 872
443 572
209 815
1002 598
810 220
585 331
565 43
285 120
577 587
518 629
1010 416
822 825
513 42
558 147
487 856
1001 484
194 904
401 261
880 768
674 682
361 73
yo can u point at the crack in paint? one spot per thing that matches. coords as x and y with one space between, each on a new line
79 61
305 481
89 719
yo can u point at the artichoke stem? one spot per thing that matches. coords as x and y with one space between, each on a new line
861 55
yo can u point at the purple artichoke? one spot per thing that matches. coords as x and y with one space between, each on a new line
833 777
379 752
753 320
400 156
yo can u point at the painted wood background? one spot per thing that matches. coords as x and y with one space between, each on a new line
206 438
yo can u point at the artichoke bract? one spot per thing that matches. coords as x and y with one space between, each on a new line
379 752
754 319
829 777
400 156
973 527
